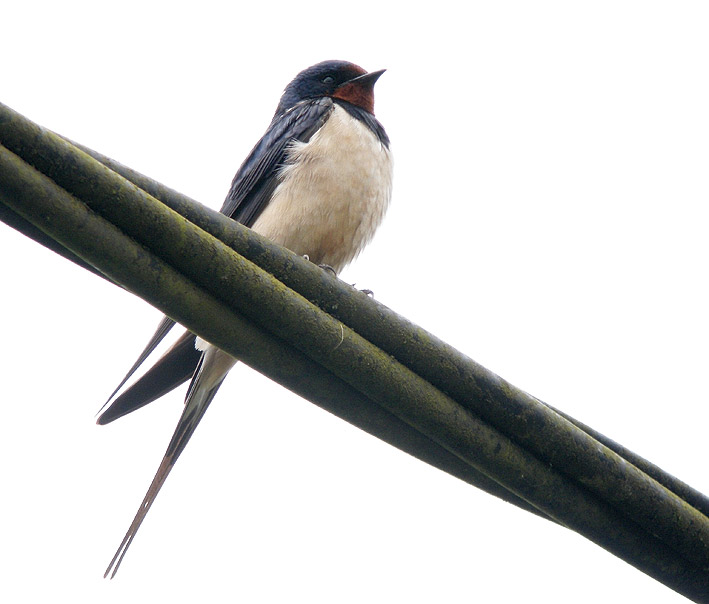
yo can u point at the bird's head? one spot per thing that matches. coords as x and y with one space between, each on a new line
336 79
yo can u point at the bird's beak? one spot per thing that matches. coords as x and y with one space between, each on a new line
365 80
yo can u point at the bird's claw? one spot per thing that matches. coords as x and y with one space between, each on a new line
366 292
329 269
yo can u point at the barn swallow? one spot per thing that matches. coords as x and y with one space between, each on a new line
318 183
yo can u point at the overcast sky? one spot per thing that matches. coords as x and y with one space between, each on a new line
549 220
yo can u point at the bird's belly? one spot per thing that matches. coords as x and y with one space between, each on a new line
333 193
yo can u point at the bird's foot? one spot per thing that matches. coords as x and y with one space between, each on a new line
329 269
366 292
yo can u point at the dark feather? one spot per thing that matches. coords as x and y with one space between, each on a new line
165 326
257 177
191 416
174 368
368 119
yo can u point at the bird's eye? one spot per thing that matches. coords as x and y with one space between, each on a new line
328 80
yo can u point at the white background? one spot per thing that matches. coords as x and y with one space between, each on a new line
549 220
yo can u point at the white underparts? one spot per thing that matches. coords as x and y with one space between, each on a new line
333 193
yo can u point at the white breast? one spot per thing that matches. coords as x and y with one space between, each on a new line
333 194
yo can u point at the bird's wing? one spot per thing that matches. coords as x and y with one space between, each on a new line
257 177
175 367
249 194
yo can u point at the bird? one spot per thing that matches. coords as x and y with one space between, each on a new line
318 182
